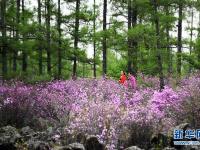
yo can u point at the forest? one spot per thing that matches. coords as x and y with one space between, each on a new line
67 66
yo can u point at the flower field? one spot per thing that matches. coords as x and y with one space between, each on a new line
102 107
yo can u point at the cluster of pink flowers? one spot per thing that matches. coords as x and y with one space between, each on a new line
100 107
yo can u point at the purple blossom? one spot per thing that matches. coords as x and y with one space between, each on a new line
101 107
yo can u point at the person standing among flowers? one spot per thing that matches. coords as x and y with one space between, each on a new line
122 79
132 81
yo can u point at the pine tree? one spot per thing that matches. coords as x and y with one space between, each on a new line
94 40
157 27
24 54
48 49
179 44
17 35
4 40
104 38
59 41
39 39
76 37
169 53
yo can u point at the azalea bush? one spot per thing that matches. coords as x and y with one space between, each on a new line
16 104
189 90
117 115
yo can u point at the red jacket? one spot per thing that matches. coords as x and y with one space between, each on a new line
122 79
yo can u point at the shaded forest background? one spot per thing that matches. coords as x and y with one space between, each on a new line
132 35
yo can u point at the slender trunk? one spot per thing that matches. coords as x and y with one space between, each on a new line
159 60
76 37
199 37
191 36
17 36
94 40
129 39
59 41
24 54
39 39
169 60
48 37
4 52
13 36
84 70
134 42
104 38
179 51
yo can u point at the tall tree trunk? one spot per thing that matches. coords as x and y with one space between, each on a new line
129 39
134 42
198 56
104 38
179 44
59 41
191 36
4 52
48 37
83 69
76 36
17 36
159 59
39 39
24 54
94 40
13 36
169 60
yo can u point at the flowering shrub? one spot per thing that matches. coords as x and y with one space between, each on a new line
99 107
189 90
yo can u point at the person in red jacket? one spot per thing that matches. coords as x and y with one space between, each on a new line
122 79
